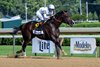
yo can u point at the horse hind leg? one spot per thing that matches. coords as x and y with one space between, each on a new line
22 52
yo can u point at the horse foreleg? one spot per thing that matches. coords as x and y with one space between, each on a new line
57 47
57 51
61 42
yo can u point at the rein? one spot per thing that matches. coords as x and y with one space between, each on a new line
56 19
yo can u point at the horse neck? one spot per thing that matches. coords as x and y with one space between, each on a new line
57 22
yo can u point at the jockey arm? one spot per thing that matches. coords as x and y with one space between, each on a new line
46 16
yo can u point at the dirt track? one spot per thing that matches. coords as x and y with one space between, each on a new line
49 62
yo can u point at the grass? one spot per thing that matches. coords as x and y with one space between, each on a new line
7 50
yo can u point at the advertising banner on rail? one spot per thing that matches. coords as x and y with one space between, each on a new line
82 45
42 46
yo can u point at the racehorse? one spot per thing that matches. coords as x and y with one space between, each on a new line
50 29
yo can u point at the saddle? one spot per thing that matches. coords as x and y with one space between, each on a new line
38 23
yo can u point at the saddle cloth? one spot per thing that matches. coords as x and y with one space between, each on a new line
38 28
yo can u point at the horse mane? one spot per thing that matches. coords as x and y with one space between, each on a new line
59 13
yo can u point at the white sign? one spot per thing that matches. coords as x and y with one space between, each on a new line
82 45
42 46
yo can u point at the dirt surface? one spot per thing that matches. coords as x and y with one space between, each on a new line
49 62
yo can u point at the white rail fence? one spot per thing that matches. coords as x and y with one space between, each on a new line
66 32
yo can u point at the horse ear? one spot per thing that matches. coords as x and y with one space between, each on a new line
65 11
68 12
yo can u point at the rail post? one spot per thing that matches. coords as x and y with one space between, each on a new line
13 44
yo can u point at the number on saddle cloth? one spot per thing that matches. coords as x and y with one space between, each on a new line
39 25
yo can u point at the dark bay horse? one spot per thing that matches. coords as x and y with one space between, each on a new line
50 29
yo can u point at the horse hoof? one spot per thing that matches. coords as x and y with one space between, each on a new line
16 56
58 57
65 54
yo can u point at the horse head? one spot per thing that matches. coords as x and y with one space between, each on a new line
64 16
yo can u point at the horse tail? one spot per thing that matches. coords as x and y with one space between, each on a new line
16 29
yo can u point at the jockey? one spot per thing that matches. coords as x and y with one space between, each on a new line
44 13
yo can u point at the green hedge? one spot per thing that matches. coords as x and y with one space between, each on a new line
9 41
78 17
83 24
87 24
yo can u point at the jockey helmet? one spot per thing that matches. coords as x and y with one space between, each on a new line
51 6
